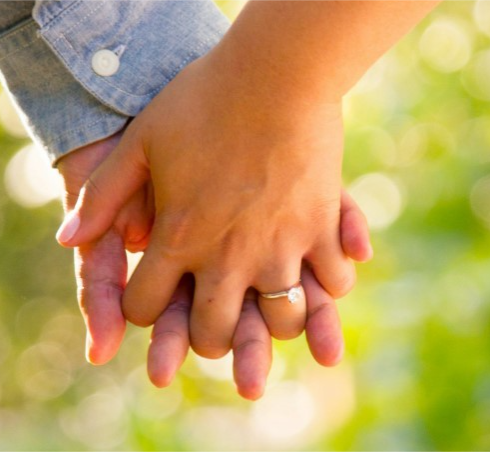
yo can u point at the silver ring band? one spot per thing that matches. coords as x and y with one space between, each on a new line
294 293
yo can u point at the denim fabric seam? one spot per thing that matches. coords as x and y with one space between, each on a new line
54 20
21 28
110 125
79 129
80 22
17 29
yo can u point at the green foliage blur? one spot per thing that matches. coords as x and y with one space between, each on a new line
416 375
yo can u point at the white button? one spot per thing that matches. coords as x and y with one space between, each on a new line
105 63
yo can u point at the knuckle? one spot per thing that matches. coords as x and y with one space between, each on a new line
344 283
91 189
247 344
220 278
90 290
70 199
274 281
322 210
311 313
224 274
177 230
233 244
165 335
132 226
135 317
179 306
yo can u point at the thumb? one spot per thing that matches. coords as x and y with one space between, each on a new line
105 192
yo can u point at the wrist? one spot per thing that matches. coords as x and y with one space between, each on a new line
263 98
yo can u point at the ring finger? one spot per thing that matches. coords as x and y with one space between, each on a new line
282 302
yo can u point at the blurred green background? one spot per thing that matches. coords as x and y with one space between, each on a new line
416 374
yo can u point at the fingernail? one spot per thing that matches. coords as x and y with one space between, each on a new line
69 227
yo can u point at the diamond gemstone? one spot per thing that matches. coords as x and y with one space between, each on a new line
294 294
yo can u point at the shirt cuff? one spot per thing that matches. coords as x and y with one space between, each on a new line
58 112
47 63
151 40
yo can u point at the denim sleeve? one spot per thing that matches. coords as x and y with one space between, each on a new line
47 62
12 12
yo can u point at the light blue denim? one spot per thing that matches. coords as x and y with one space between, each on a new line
46 61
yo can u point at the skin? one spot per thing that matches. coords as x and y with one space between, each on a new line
256 232
101 278
259 164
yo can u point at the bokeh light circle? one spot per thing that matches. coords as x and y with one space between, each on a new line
10 119
480 200
481 16
445 46
44 371
285 414
379 197
29 179
476 76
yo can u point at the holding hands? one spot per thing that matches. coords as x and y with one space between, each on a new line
101 275
238 205
244 151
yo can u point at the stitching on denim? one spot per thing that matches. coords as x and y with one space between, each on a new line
72 71
57 154
52 21
81 129
18 49
28 23
167 79
150 93
61 15
199 47
10 35
75 25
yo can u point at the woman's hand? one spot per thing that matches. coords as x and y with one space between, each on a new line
101 278
243 196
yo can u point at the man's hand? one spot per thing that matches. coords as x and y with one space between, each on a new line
100 266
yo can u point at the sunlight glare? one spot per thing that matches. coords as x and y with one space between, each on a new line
29 179
9 118
379 197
